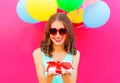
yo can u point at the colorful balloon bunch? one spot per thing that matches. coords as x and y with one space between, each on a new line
91 13
96 14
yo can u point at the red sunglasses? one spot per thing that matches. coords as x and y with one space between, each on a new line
53 31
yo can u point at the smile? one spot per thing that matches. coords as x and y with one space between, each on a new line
58 40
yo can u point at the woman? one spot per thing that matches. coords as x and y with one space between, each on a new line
58 45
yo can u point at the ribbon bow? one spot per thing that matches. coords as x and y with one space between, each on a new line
59 65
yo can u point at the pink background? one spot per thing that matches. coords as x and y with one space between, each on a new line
100 47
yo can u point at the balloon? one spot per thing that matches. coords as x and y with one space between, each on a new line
88 2
76 16
96 15
41 9
23 14
69 5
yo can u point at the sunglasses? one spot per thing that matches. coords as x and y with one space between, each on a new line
53 31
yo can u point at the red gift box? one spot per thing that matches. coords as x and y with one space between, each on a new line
59 67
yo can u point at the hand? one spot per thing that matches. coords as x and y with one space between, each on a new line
49 78
66 77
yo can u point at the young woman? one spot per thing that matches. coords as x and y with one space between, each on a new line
58 45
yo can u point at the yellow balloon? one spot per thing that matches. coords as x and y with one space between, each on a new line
76 15
41 9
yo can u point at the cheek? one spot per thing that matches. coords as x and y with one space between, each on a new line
65 36
52 37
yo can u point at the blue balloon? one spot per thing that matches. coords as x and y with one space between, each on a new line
96 15
23 14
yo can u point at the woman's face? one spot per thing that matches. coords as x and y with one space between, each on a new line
57 33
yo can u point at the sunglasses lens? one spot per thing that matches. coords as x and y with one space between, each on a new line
52 31
62 31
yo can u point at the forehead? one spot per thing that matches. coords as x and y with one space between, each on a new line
57 24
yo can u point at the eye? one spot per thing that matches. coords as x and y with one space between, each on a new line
52 31
63 31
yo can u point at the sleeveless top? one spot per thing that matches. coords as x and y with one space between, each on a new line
57 78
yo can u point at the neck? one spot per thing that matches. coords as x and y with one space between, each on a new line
58 48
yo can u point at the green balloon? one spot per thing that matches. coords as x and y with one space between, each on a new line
69 5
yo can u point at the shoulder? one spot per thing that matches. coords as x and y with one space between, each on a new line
77 56
36 53
78 53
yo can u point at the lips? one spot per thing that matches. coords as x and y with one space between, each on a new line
58 40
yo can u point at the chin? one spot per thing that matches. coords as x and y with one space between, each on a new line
58 43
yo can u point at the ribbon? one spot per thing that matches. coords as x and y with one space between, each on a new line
59 65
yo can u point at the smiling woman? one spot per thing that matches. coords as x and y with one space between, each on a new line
57 46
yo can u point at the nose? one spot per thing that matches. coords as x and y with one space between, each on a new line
57 35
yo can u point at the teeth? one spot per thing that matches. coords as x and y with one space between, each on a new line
58 39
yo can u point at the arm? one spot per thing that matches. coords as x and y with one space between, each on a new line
37 57
73 77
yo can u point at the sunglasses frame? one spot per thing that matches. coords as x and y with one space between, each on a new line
62 31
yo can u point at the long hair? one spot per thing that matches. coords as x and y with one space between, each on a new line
46 44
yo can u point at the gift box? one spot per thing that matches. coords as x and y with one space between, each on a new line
59 67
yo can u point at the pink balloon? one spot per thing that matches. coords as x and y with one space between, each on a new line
88 2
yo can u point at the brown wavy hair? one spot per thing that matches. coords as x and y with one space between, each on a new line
46 44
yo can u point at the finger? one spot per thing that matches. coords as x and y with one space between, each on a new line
50 74
68 73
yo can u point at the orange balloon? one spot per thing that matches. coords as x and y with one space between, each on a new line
76 16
